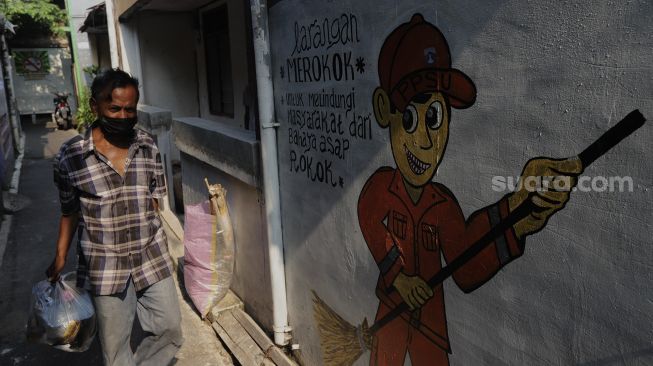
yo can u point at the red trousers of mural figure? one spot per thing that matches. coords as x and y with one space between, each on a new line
397 338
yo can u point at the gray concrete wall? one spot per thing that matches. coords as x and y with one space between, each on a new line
226 155
219 148
169 70
158 122
102 54
550 79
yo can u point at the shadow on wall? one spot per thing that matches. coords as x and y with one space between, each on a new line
390 232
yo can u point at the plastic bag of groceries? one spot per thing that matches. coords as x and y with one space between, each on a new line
209 250
61 315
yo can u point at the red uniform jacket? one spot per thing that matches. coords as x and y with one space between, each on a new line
408 237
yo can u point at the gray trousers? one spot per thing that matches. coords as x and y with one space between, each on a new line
158 313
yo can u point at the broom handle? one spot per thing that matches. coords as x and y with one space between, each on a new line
633 121
515 216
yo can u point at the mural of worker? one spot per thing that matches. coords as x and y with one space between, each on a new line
409 221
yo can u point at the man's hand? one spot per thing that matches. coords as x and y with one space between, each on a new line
67 226
547 183
414 290
55 269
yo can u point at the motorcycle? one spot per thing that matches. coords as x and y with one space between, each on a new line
62 115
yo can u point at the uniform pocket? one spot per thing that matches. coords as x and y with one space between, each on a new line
399 224
430 238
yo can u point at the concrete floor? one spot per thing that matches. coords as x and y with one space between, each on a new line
30 249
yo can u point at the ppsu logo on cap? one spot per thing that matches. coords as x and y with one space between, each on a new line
415 59
429 55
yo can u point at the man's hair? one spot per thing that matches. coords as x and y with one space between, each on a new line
108 80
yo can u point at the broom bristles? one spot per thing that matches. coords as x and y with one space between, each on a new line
339 340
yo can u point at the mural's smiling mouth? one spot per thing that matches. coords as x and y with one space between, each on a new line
417 166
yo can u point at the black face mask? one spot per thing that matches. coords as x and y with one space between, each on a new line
117 127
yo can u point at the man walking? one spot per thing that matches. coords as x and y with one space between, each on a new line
110 182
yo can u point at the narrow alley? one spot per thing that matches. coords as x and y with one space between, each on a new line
29 251
443 183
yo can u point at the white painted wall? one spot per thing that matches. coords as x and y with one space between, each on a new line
78 10
34 94
79 7
84 45
550 78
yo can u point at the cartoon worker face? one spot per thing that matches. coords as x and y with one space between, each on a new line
418 88
418 135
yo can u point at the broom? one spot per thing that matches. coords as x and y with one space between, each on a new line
343 343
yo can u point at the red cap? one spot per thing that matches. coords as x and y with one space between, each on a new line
415 59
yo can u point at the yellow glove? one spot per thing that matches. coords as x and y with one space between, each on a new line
549 199
413 290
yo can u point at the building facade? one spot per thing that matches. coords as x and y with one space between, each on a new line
517 80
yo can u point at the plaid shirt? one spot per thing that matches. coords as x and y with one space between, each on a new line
120 233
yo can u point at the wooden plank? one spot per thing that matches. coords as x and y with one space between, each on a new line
241 355
279 357
259 336
238 333
240 336
253 329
